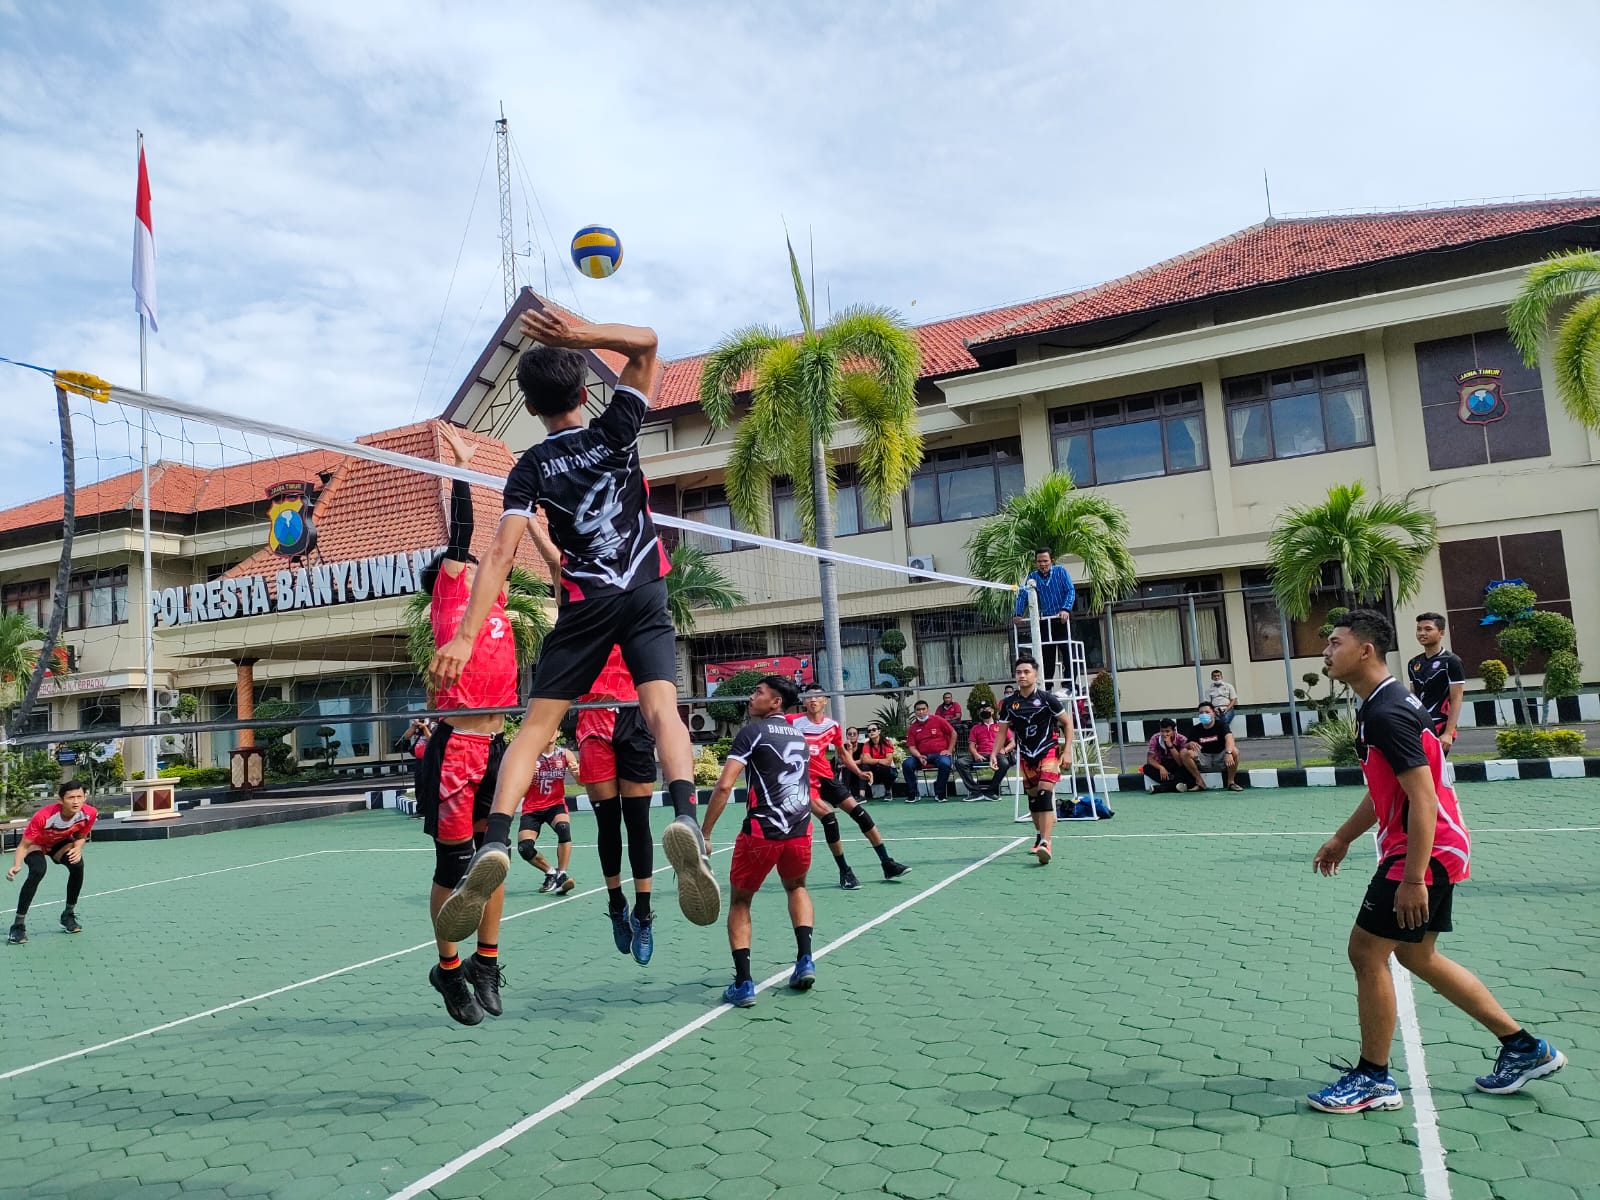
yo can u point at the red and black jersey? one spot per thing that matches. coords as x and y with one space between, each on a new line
1033 721
489 680
1395 737
819 736
1432 676
776 758
50 828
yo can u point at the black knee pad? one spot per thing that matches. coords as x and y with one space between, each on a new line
529 849
641 843
563 832
1041 803
830 829
862 818
450 862
37 864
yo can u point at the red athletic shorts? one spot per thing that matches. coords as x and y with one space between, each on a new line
754 858
1044 771
466 762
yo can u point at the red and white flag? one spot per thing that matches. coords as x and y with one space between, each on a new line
144 248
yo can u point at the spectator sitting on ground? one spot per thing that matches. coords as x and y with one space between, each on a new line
1223 699
983 743
930 742
1167 764
1212 747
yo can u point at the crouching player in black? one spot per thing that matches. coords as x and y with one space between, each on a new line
776 832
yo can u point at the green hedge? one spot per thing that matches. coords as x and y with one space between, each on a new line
197 776
1522 742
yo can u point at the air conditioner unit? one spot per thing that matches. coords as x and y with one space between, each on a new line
170 743
167 697
164 716
921 562
701 721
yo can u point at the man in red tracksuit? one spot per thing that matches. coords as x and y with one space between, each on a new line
930 742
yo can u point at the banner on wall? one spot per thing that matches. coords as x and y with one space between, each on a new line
796 666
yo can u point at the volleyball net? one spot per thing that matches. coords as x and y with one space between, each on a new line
283 593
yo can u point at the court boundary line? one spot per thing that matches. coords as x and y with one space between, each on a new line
581 1092
84 1051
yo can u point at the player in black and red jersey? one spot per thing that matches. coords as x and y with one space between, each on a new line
57 833
1438 678
776 832
592 489
1033 718
546 804
459 766
1424 850
828 792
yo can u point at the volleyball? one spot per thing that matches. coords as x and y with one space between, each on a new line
597 251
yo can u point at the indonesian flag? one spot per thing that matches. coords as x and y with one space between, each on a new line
144 248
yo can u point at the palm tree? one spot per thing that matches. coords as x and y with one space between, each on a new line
696 582
1054 514
526 595
861 366
1370 540
1576 349
19 651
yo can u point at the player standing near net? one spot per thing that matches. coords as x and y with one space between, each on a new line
828 793
1438 678
776 832
57 833
1424 849
1032 717
546 804
457 776
593 491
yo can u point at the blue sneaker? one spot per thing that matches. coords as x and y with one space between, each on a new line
740 995
642 942
622 929
1513 1068
805 973
1356 1092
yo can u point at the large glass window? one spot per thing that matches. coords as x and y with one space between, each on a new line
964 482
332 698
958 646
850 511
1151 629
99 712
1265 621
1138 437
1310 409
709 506
97 598
31 599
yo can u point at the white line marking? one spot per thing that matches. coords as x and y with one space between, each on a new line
578 1093
222 1008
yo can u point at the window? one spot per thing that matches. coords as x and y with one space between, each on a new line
99 712
1266 626
1151 629
964 482
958 646
31 599
858 642
98 598
709 506
332 698
1139 437
850 512
1312 409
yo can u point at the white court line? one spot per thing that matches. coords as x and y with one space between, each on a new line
222 1008
512 1132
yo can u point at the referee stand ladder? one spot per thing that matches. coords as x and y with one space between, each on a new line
1085 780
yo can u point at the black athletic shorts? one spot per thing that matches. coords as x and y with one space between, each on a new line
629 755
1377 906
542 816
430 781
833 790
577 648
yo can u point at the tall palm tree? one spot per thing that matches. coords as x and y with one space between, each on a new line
696 582
1369 539
1576 349
526 595
861 366
1054 514
19 654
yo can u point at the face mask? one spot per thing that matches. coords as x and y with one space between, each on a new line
1202 719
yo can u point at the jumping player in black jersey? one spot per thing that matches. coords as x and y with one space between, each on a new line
595 498
1438 678
1033 717
776 831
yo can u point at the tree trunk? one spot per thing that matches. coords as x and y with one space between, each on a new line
827 577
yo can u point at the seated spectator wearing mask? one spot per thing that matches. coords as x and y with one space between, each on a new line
984 740
1212 747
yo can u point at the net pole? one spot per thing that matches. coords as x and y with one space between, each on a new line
149 614
1287 631
1116 688
1194 653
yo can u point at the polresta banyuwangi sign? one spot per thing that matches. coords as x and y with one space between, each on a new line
319 585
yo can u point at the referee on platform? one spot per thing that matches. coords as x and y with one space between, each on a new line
1056 596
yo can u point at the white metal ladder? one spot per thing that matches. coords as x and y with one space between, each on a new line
1086 777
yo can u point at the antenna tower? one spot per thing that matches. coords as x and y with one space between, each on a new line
508 249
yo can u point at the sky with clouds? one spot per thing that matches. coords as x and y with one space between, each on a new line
325 199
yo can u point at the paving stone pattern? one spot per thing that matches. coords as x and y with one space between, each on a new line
1141 1018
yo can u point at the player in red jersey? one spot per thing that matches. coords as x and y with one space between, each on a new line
57 833
1424 850
546 804
828 792
456 781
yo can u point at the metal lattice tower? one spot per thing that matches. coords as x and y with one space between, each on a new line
508 255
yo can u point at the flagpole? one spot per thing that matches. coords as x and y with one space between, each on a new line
151 770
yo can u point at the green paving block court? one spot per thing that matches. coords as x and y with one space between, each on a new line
1139 1019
